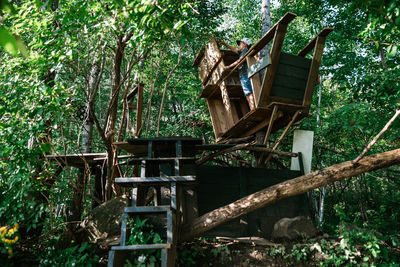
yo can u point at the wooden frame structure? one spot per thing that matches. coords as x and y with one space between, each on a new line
282 96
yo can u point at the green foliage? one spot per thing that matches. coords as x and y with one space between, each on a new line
140 233
79 255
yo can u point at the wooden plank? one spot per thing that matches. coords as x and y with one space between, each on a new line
258 66
147 209
271 70
255 80
292 60
123 229
285 92
139 110
213 57
199 56
232 116
290 82
307 49
217 126
270 124
282 100
313 75
293 71
208 90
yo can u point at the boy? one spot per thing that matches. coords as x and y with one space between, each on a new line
243 47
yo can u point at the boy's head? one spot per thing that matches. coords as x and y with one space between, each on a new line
245 42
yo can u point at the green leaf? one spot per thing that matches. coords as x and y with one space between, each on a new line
8 42
7 6
45 147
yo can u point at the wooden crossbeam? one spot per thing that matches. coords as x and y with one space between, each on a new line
283 134
313 74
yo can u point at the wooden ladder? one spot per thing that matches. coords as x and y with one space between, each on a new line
172 212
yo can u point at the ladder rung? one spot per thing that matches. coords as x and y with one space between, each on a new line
147 209
141 247
155 180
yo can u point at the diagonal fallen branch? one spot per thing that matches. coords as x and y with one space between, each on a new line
286 189
384 129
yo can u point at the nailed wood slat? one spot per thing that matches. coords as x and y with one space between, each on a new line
285 92
297 61
292 71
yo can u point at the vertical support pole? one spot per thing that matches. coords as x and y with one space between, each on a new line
313 74
173 195
255 80
123 229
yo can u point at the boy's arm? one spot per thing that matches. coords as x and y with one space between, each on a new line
232 48
233 64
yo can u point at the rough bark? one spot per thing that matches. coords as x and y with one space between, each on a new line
266 23
288 188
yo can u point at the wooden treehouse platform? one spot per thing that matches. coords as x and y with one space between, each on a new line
283 95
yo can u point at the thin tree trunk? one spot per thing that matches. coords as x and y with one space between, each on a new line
165 88
266 23
288 188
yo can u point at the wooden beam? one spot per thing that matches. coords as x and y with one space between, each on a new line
271 70
287 189
313 74
310 46
255 79
270 124
283 134
232 116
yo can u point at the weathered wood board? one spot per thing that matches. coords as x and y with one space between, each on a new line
220 186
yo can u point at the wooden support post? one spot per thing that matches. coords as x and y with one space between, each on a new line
255 79
230 108
259 157
271 70
283 135
313 74
271 124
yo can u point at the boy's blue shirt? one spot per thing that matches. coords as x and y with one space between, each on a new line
243 67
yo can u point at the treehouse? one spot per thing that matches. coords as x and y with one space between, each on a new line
282 83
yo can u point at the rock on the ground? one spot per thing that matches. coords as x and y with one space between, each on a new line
293 228
104 221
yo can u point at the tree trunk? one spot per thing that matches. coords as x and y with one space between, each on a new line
288 188
112 114
266 23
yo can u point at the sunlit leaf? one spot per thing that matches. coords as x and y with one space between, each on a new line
8 42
